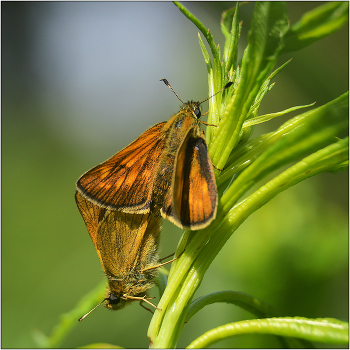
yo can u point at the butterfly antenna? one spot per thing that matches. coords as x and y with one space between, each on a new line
224 88
169 86
81 318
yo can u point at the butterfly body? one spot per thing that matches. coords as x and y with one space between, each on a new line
166 169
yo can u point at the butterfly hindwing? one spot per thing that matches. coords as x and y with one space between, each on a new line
128 241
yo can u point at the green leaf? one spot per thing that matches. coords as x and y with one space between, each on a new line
226 22
325 159
244 300
231 29
266 117
316 24
265 87
247 302
265 40
213 115
320 330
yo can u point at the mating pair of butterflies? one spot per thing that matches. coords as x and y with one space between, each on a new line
165 172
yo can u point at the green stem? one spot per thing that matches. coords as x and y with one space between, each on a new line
167 324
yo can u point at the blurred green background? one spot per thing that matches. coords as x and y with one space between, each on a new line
80 80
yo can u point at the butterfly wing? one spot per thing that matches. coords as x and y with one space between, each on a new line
128 242
125 180
92 216
192 199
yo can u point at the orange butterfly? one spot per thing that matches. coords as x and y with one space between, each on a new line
127 246
167 168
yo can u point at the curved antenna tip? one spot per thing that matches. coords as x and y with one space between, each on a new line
169 86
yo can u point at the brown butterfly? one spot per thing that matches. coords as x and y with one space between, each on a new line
127 246
167 168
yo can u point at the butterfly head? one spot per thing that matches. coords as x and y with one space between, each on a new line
193 108
114 302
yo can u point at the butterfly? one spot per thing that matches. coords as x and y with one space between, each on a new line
127 246
166 169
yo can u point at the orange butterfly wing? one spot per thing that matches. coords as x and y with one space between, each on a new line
125 180
192 199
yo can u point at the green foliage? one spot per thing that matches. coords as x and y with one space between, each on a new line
308 139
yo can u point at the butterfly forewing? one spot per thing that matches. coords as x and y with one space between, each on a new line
131 171
194 188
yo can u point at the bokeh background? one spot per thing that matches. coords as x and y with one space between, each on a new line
80 80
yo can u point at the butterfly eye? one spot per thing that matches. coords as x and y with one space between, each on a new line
197 112
113 299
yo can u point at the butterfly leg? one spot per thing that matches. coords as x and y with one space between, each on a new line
156 266
144 299
207 124
166 257
146 308
217 168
